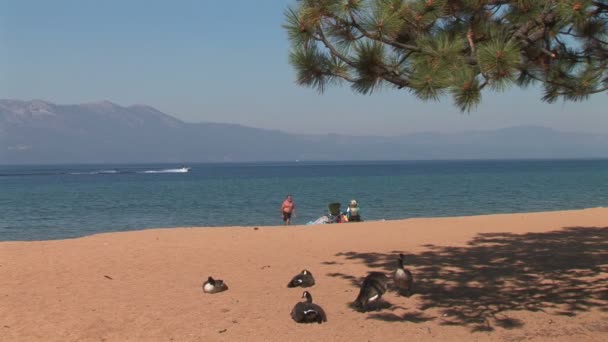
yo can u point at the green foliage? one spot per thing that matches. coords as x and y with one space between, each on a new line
457 48
368 66
312 67
498 60
466 90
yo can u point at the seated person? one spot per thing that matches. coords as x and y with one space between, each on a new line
353 213
335 214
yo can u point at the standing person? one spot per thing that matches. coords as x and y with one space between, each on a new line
288 208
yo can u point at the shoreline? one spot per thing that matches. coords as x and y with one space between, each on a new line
303 225
537 276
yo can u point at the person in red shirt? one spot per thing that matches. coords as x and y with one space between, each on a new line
288 208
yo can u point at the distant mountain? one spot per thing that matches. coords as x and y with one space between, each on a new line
41 132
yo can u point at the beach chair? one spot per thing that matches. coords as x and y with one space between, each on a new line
335 214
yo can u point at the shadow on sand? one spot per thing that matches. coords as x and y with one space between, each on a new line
561 273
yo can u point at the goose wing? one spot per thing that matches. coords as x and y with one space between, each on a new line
296 281
297 313
321 316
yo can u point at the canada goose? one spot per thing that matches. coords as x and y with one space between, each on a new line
303 279
214 285
372 289
307 312
403 278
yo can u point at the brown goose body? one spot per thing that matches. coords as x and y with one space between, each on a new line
214 286
307 311
372 289
403 278
303 279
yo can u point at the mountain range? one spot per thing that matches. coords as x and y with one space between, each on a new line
40 132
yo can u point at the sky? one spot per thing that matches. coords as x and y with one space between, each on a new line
226 61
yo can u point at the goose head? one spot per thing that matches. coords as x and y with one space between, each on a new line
401 260
308 296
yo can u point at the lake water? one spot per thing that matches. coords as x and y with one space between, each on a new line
56 202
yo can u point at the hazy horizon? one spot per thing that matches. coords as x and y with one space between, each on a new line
228 63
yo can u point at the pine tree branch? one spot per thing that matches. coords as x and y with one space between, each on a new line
559 43
534 77
500 2
601 5
332 49
529 40
382 38
596 91
386 74
342 76
562 85
470 36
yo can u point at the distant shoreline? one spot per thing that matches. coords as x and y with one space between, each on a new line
299 162
298 225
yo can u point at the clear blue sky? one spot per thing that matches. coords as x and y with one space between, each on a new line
224 61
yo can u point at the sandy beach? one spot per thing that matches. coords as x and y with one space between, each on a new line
513 277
